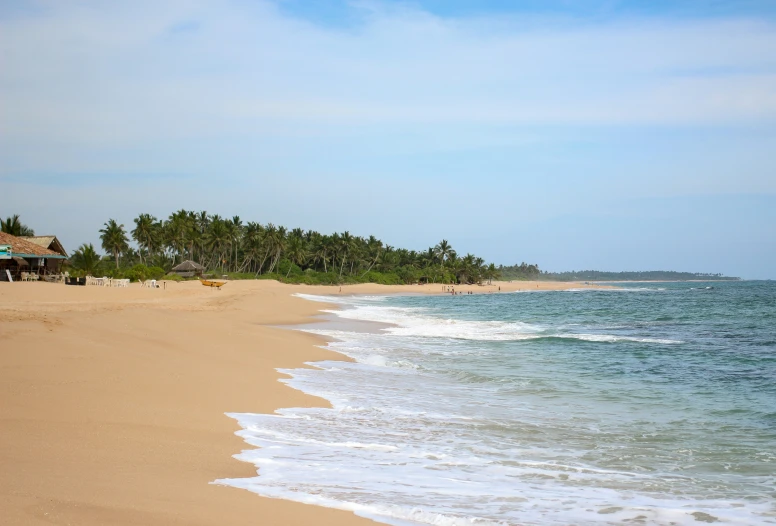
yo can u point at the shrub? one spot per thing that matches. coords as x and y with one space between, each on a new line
155 273
172 277
114 273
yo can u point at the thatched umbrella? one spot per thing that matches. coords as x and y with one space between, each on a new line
188 268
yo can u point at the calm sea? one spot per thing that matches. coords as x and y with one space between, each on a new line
652 404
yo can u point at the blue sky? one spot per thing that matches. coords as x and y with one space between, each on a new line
603 134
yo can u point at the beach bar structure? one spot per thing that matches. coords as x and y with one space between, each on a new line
49 242
19 255
188 269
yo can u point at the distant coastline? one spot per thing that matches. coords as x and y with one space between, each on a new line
532 272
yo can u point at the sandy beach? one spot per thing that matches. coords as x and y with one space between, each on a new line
113 400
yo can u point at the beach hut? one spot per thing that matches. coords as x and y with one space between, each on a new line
188 269
49 242
21 255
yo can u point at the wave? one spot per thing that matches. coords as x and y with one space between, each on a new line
608 338
419 473
344 300
414 322
425 429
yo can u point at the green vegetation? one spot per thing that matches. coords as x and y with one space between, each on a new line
521 272
13 226
651 275
85 259
228 247
114 239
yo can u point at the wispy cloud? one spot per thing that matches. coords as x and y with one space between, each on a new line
105 73
546 114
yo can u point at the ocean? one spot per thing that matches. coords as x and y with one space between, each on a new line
650 404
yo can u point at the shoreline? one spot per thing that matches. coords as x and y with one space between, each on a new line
115 399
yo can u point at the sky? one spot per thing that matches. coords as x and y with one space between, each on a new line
602 134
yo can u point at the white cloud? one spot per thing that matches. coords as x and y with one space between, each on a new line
97 74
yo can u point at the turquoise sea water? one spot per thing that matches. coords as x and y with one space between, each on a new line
653 404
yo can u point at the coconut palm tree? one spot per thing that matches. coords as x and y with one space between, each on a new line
373 249
491 273
217 240
346 244
228 244
235 228
321 250
175 234
145 233
252 245
278 243
114 239
85 258
15 227
296 252
443 250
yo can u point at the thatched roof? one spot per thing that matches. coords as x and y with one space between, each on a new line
188 266
49 242
25 248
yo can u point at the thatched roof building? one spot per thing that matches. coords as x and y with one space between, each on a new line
188 269
18 252
49 242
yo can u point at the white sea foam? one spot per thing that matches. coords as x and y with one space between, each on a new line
405 467
612 339
343 300
415 437
410 321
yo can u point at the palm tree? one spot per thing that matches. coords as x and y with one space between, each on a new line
467 269
321 250
235 228
345 245
228 244
277 244
13 226
443 250
217 240
252 245
175 232
490 273
145 233
388 259
268 237
373 249
114 239
85 258
296 252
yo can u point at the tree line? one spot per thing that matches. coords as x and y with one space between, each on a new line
230 246
521 272
649 275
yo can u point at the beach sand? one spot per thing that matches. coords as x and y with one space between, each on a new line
112 400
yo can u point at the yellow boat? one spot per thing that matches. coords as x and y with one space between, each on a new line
209 283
